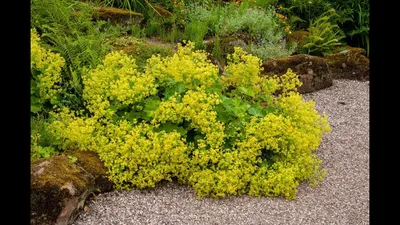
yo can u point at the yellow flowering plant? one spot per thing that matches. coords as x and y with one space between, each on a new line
45 75
231 134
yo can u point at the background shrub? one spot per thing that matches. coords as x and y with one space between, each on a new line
324 35
354 21
302 12
270 50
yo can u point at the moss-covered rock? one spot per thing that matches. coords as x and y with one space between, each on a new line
90 161
348 63
58 189
123 17
313 71
142 49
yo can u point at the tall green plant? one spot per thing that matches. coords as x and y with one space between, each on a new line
301 12
196 31
354 22
324 35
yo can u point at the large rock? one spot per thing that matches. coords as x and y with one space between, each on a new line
60 187
349 63
123 17
142 49
313 71
91 162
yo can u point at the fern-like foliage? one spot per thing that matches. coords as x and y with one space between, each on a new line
324 35
66 27
354 21
301 12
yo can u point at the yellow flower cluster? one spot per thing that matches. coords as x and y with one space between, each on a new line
116 83
289 82
273 132
140 157
49 65
271 156
74 131
187 66
231 176
306 119
243 70
198 108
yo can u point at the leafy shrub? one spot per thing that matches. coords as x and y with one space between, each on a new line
46 92
66 27
209 16
261 29
302 12
324 35
196 31
43 144
270 51
260 24
45 76
226 135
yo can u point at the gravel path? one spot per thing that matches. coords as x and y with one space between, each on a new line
341 198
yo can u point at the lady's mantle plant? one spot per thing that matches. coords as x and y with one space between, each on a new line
223 135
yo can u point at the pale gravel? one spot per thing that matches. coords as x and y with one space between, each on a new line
341 198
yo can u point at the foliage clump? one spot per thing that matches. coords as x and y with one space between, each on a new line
324 35
46 74
238 133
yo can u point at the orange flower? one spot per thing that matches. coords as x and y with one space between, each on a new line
281 16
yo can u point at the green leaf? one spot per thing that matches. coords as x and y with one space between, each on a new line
151 105
45 152
35 104
217 87
235 106
222 114
34 87
247 91
173 88
133 115
55 100
35 73
255 111
169 127
72 158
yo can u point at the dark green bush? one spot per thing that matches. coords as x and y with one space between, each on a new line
354 21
